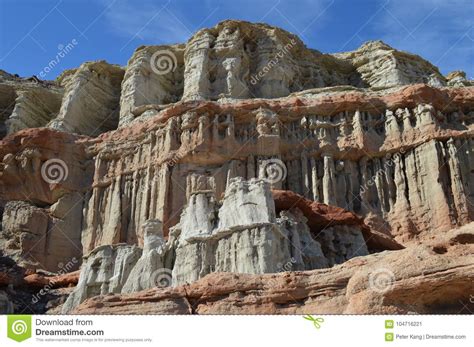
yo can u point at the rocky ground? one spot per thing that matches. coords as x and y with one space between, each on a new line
240 172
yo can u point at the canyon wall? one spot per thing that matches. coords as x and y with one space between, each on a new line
232 152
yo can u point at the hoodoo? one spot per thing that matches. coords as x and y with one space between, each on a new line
239 172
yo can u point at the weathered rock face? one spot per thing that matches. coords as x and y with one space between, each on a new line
27 292
458 79
154 258
91 99
44 177
154 77
382 66
439 281
400 168
123 268
242 60
157 162
105 270
41 165
233 60
33 108
213 238
26 103
43 238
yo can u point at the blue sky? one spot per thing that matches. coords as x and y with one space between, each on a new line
32 32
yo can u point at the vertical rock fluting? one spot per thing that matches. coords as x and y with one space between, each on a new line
165 148
405 178
212 237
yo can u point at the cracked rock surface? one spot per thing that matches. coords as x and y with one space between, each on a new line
244 184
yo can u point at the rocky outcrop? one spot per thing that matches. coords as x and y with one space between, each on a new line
168 164
40 238
332 147
64 280
321 216
25 291
381 66
153 77
233 60
439 281
154 267
458 79
33 108
212 237
242 60
44 176
91 99
41 165
26 103
105 270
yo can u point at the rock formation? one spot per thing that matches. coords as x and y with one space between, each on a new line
105 270
382 66
90 105
439 281
26 103
240 151
211 237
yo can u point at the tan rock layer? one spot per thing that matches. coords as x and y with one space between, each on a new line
148 170
324 102
423 279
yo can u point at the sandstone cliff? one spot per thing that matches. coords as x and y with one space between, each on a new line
240 151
